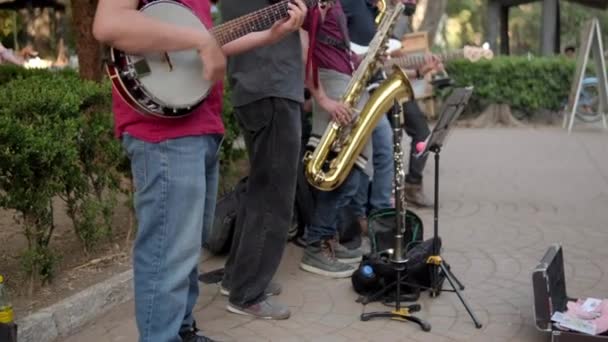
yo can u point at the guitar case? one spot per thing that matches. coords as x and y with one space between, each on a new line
549 285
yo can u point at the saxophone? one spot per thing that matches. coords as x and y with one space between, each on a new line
344 144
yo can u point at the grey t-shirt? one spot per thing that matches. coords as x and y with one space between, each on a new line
269 71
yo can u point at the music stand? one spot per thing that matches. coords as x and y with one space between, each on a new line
451 110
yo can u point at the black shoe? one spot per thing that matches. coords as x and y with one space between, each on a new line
193 335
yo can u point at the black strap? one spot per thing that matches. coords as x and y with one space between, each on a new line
343 44
329 40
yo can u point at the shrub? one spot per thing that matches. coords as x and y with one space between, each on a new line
229 155
36 155
55 134
10 72
56 141
525 84
91 193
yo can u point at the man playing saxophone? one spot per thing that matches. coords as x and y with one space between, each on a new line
329 70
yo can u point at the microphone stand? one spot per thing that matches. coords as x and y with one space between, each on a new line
397 259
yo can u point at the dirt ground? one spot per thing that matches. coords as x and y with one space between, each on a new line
74 271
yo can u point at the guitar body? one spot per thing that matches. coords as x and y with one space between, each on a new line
168 85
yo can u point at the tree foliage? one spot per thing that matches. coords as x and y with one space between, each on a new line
467 21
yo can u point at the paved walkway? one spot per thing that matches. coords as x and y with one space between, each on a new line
506 195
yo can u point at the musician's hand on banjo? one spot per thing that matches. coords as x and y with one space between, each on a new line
213 59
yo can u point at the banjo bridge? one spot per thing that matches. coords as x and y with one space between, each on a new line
165 57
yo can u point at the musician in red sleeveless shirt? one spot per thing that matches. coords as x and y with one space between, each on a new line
329 70
174 163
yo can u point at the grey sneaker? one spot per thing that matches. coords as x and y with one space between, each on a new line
321 260
345 255
273 289
264 310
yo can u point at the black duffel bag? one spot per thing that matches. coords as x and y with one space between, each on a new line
376 272
219 239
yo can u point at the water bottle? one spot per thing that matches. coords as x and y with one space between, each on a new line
365 280
6 309
368 272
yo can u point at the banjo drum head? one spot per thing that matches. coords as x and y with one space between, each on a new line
177 83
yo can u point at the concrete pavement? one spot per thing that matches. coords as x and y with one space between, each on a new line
506 195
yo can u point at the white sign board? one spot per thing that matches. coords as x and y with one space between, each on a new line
591 42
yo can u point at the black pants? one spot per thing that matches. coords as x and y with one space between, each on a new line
272 129
418 129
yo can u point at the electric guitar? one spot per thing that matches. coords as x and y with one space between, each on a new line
170 84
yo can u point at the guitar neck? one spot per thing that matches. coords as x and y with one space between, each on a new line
259 20
413 62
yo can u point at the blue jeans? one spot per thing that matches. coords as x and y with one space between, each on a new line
328 204
377 195
176 188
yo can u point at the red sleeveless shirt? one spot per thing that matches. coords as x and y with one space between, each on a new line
206 119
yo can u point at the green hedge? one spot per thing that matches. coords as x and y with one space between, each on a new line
57 141
524 84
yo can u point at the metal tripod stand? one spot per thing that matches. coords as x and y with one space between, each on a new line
436 261
397 260
453 106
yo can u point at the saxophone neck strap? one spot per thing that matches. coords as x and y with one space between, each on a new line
316 36
311 65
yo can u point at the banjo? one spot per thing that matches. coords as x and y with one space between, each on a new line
170 84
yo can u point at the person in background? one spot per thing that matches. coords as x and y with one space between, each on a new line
570 51
329 70
7 56
376 194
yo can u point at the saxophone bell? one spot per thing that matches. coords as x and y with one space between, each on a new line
331 162
326 173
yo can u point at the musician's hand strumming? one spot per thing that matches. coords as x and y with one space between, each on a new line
213 59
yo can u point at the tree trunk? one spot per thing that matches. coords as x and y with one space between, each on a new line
88 48
428 16
496 115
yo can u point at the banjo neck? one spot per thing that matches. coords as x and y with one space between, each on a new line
259 20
